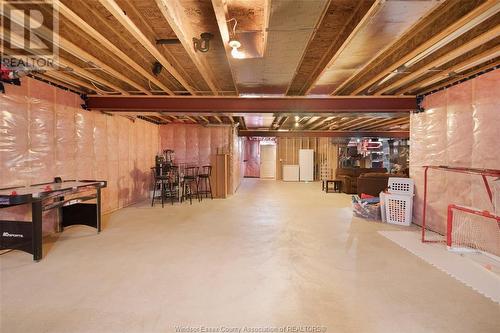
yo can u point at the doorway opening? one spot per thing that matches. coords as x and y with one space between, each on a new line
260 157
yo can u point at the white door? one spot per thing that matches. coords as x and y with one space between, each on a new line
306 165
268 161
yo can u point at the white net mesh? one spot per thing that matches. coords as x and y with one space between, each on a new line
472 231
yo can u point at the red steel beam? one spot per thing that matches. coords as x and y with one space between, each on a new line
203 104
313 134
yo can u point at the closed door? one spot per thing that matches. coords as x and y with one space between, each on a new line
268 161
252 159
306 165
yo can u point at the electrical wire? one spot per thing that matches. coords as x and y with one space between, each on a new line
234 27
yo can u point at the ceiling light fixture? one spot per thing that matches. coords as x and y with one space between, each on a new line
234 43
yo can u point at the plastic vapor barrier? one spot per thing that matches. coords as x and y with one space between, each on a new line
46 134
459 128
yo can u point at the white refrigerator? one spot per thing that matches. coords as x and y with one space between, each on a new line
306 165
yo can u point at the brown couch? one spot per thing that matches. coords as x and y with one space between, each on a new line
373 183
349 177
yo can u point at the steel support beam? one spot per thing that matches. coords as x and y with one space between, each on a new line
315 134
284 105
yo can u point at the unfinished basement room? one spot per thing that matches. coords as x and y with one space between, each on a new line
250 166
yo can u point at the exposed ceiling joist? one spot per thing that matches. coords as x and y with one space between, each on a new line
282 122
358 124
291 134
220 9
74 50
20 41
304 79
461 66
173 12
243 125
320 122
74 18
62 83
472 44
82 54
127 23
351 86
71 80
382 122
287 105
90 76
466 74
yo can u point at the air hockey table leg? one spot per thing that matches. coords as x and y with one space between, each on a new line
98 209
36 218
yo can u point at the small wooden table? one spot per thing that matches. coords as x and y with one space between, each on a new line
337 185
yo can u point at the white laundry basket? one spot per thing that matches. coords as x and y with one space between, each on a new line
399 201
398 209
401 186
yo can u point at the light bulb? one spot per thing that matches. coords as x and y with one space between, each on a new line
236 54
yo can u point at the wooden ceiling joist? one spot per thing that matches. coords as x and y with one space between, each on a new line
127 23
90 76
318 122
461 66
66 78
450 16
359 123
76 51
383 123
220 10
65 84
173 12
242 122
20 41
328 42
292 134
473 71
472 44
74 18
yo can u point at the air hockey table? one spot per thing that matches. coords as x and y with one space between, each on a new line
71 199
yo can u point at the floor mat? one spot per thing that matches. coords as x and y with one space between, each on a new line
477 271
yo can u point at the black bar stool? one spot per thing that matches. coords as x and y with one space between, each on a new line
204 182
190 183
173 183
160 180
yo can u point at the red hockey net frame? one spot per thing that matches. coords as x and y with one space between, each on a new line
484 173
449 227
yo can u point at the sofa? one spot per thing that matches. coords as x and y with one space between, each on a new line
373 183
349 177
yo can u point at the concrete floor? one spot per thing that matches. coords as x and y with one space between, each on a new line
276 254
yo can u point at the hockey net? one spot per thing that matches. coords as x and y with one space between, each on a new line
467 228
470 229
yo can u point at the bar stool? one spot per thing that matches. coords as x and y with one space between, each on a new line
204 183
173 183
160 180
190 181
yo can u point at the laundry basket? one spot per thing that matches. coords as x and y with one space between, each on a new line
398 208
401 185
